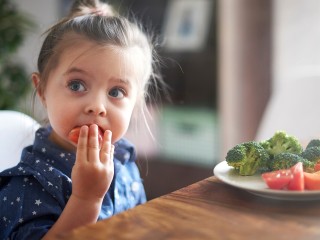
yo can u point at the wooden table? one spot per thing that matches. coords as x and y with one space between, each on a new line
209 209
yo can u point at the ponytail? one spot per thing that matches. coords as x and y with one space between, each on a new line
83 7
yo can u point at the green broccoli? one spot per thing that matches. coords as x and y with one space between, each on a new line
281 142
286 160
312 154
314 143
247 158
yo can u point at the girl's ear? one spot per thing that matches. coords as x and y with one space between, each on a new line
36 83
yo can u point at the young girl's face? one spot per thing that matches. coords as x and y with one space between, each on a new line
92 85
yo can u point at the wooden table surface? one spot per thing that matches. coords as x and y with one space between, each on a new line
209 209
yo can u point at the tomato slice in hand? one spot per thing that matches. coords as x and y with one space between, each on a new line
278 179
297 181
312 181
74 135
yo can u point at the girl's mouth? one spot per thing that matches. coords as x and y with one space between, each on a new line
74 135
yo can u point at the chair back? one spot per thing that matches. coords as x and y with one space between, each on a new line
17 131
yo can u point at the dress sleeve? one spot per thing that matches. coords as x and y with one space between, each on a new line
28 211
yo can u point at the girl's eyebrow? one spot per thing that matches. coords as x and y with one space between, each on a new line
75 70
122 81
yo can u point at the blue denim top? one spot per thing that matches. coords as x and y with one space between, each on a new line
34 193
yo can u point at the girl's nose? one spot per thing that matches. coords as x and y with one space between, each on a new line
96 108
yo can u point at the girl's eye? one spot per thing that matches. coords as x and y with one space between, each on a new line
76 86
117 93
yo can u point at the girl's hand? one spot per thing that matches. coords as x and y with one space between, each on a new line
93 170
91 178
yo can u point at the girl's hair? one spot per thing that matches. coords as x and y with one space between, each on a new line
98 22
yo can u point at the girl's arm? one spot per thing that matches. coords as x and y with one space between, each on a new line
91 178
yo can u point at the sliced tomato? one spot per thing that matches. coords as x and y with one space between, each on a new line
317 167
312 180
278 179
297 181
74 135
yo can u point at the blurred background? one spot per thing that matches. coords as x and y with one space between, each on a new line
238 70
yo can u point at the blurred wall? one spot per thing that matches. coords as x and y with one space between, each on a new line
245 52
44 13
293 106
296 41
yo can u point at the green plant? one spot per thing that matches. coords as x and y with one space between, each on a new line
14 81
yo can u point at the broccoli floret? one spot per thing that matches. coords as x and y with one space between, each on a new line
286 160
312 154
247 158
314 143
281 142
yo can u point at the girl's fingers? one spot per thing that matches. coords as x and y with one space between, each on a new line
93 143
106 152
82 145
112 151
88 149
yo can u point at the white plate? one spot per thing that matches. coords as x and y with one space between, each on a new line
255 185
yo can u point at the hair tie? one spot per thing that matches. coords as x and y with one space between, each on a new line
102 11
98 10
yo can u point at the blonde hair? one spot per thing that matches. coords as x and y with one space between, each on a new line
98 22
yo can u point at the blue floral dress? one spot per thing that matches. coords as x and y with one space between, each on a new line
34 193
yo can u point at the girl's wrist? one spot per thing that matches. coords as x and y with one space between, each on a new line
83 201
78 212
88 209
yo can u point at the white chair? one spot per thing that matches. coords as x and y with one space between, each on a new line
294 108
16 132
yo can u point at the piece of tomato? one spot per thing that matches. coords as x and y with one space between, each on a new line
74 135
278 179
297 181
312 180
317 167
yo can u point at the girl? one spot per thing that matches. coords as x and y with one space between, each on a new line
94 68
